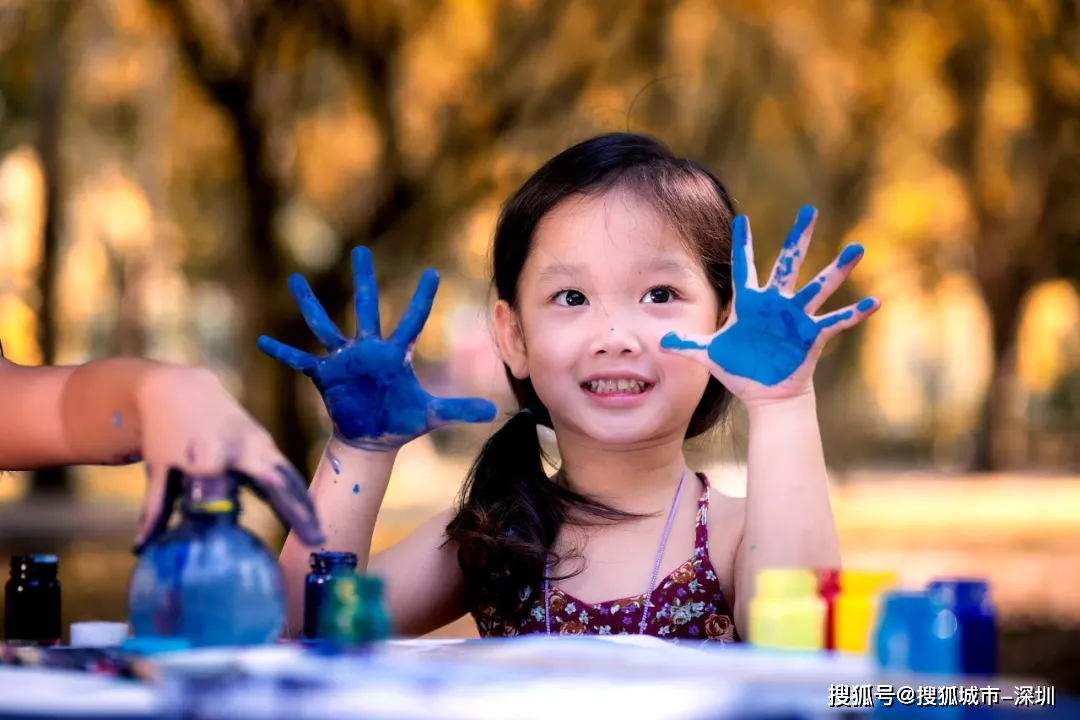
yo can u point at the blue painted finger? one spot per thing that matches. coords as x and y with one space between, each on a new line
743 271
314 314
678 342
791 256
416 314
446 411
366 300
814 294
286 354
692 346
847 317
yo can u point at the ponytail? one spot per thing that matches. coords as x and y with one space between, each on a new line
509 514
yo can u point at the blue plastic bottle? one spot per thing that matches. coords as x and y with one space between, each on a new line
969 600
918 634
324 567
208 581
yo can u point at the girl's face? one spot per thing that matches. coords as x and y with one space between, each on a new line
606 278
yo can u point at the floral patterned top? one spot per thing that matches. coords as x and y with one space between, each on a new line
687 605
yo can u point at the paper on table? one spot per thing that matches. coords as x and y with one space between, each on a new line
43 692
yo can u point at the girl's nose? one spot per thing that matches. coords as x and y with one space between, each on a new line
616 338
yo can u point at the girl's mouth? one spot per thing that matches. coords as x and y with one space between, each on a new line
620 386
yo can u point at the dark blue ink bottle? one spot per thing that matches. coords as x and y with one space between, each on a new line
32 600
969 600
208 581
325 566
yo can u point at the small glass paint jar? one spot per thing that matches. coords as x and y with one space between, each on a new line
969 600
786 611
32 600
857 608
353 611
325 566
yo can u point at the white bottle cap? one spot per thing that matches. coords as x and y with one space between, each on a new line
98 634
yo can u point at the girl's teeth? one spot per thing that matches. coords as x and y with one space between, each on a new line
616 386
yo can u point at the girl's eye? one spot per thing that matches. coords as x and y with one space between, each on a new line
660 295
570 298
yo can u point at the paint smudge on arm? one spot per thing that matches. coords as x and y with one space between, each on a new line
117 420
356 489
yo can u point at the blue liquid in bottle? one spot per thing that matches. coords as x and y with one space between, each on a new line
208 581
324 567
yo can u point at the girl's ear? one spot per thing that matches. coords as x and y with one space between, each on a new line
510 340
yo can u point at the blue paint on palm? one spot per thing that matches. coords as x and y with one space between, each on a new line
772 335
367 383
356 489
769 341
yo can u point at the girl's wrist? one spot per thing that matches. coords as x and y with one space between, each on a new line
782 408
381 446
353 451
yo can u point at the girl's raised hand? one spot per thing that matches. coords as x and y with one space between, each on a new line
367 383
771 341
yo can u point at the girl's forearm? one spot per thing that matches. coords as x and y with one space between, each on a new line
348 491
789 520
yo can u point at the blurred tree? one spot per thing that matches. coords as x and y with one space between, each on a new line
255 60
49 110
1015 74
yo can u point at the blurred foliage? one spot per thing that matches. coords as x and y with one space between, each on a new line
168 163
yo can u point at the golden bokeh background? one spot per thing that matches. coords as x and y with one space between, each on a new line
166 164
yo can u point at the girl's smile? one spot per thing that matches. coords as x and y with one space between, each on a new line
618 388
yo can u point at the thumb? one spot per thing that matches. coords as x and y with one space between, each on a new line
447 411
695 347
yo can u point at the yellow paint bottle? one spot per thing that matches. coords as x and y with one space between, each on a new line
857 606
787 613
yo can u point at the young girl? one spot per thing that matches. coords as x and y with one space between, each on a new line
628 314
121 410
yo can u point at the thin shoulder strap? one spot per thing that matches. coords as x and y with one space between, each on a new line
701 532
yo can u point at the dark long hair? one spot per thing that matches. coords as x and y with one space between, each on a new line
510 511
